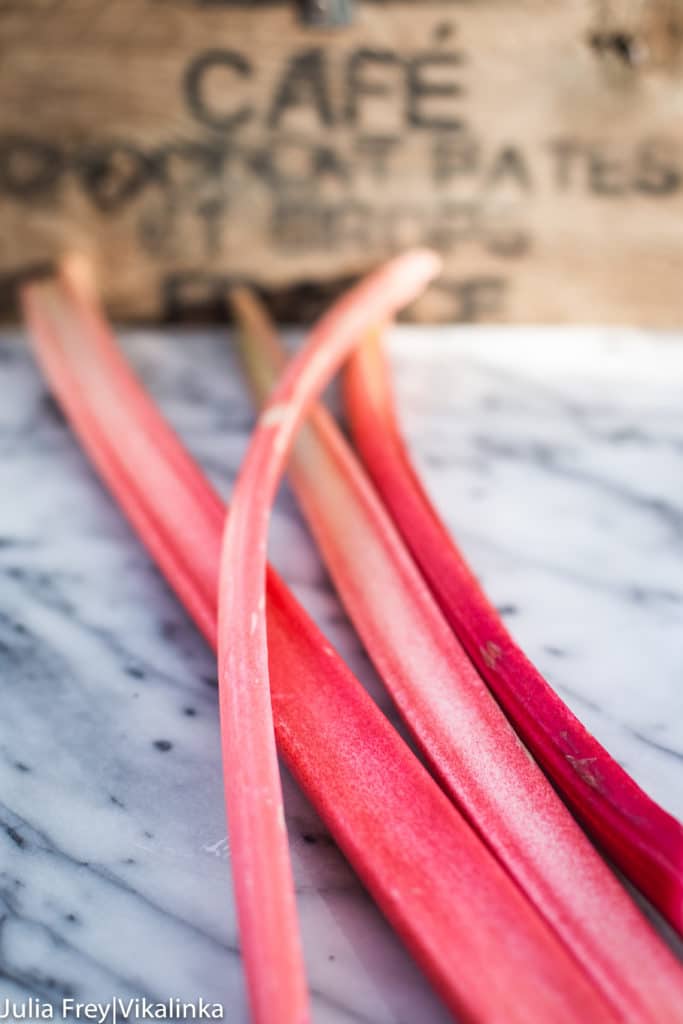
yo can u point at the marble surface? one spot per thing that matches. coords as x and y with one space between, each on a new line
556 456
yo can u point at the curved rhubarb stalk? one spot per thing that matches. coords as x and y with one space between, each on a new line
442 698
478 940
264 888
643 840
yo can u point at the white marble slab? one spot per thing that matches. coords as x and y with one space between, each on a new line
556 456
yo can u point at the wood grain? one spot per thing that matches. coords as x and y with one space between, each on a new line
187 144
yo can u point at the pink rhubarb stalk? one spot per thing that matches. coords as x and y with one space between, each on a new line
464 734
485 949
264 888
640 837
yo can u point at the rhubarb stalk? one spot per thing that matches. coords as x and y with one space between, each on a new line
264 888
459 727
639 836
482 945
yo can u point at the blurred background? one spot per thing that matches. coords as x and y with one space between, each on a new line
188 144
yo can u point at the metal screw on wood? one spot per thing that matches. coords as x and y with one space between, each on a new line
326 13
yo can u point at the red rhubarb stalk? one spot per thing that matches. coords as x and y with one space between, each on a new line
464 734
485 949
640 837
264 888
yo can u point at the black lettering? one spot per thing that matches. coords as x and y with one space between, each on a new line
304 84
195 295
509 163
350 223
157 226
113 174
424 90
300 225
476 298
290 164
606 176
403 225
658 172
286 163
455 223
195 88
454 153
185 167
29 168
502 236
328 164
212 213
565 153
375 150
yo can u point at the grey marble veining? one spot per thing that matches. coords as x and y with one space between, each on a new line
557 458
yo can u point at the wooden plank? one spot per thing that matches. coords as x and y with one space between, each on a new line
189 143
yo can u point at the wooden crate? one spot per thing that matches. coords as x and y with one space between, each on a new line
187 144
